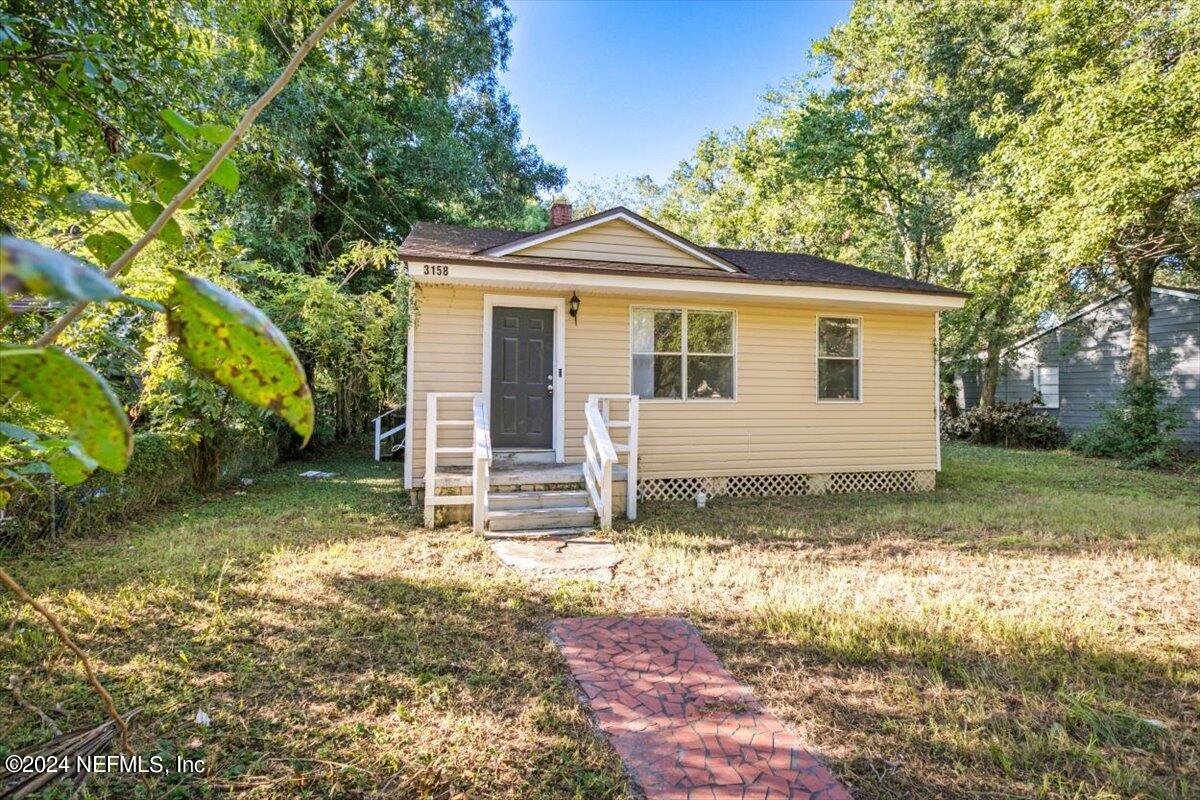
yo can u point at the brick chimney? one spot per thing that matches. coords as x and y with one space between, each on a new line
560 214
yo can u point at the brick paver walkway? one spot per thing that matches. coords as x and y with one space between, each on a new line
684 726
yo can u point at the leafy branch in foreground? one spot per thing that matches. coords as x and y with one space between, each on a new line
225 337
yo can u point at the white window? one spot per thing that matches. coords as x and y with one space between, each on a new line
1045 380
682 354
839 359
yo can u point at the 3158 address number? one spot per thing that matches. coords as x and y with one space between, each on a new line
437 270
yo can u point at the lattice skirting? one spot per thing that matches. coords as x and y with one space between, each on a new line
916 480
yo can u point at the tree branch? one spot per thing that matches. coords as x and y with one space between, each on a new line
66 639
185 194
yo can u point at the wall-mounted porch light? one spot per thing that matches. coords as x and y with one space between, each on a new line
574 312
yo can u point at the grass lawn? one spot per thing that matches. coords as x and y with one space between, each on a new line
1031 629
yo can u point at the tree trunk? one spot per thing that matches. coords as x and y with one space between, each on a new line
991 372
1138 270
1140 285
991 377
912 264
996 341
950 401
206 463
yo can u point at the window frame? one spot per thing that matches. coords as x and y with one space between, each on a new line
684 354
817 357
1037 384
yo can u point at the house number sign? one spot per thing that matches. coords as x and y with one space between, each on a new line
437 270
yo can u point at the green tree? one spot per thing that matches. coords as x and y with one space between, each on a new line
640 194
83 84
399 118
1094 179
219 334
863 161
354 339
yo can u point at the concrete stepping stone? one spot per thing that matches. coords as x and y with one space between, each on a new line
592 559
683 725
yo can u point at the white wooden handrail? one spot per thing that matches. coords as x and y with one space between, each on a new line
481 464
599 457
432 423
381 434
601 454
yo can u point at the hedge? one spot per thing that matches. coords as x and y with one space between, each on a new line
162 470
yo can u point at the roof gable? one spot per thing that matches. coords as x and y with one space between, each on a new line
616 235
431 241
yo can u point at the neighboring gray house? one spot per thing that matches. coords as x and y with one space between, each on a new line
1079 364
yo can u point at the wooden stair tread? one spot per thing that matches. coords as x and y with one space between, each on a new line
549 511
548 533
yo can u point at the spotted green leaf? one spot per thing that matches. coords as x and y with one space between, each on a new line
66 388
71 465
29 268
235 345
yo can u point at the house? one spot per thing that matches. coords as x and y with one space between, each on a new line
1078 365
611 354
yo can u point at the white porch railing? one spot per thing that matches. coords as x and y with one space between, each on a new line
481 464
381 434
432 449
601 454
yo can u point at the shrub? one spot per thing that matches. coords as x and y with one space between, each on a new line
162 470
1138 428
1013 425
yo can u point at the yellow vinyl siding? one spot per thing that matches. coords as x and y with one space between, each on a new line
616 241
449 358
774 426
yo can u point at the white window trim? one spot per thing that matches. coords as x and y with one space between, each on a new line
817 360
684 353
1037 384
559 306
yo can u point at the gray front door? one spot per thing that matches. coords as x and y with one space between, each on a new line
522 377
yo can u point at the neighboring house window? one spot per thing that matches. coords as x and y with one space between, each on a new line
839 358
1046 382
681 353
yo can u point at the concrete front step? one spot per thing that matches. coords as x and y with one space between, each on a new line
515 458
541 518
556 498
548 533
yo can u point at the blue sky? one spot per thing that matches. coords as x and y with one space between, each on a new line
628 88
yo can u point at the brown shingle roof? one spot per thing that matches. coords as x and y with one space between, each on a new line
464 244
